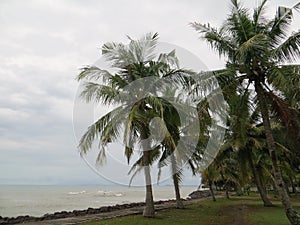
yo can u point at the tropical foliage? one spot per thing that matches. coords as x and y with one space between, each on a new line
260 84
257 50
135 93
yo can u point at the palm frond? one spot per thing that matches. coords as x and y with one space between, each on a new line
258 14
136 167
94 73
239 118
169 59
142 50
289 50
94 131
117 54
101 158
138 51
286 79
239 23
281 23
283 148
128 153
99 93
128 133
217 40
284 113
257 44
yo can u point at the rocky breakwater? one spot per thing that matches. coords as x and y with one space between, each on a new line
75 213
199 194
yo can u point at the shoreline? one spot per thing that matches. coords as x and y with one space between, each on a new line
137 206
78 213
36 201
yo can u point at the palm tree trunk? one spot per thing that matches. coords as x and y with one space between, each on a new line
239 190
226 186
293 185
179 203
291 214
260 176
258 182
227 192
211 191
149 207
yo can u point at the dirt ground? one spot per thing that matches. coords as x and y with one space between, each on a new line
237 213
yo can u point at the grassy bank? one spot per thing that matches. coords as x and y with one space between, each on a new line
246 210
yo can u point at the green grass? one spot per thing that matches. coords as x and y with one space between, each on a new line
193 214
270 216
212 213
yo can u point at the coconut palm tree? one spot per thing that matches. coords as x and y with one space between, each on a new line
171 130
169 156
132 90
257 50
246 136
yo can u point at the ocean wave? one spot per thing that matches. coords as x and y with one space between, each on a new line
109 194
76 192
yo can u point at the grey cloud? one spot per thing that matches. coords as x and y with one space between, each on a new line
43 45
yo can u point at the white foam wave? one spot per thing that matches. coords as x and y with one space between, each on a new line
109 194
76 192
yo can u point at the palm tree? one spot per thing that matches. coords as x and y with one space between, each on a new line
169 158
209 176
132 91
257 50
171 130
247 136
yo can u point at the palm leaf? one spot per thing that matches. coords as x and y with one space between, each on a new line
281 22
99 93
289 50
239 23
94 131
258 14
217 40
284 113
94 73
258 45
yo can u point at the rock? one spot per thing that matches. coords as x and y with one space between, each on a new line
199 194
74 213
92 211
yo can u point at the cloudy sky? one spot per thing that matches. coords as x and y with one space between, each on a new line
45 43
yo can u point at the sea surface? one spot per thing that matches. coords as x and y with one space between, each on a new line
38 200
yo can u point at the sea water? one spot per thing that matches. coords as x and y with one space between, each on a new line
39 200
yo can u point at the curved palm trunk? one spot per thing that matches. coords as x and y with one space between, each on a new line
226 186
258 183
291 214
179 203
212 191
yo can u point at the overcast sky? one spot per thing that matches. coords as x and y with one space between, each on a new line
45 43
